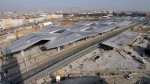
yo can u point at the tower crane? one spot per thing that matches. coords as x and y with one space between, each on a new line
71 16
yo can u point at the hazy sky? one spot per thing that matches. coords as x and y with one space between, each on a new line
64 5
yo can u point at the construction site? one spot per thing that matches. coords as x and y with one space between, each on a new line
107 49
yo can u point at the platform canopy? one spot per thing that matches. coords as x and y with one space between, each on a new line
82 30
120 40
59 35
46 34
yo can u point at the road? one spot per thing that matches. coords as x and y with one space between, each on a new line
120 79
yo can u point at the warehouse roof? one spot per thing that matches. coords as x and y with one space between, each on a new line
121 40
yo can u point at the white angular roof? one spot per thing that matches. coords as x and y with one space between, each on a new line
59 36
121 40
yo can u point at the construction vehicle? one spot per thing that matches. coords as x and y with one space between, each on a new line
2 56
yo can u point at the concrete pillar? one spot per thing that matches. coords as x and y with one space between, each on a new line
3 75
58 48
24 60
85 38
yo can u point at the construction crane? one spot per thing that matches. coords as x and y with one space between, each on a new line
16 34
76 12
101 9
72 15
81 10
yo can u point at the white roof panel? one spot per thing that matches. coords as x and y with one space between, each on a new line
121 40
76 32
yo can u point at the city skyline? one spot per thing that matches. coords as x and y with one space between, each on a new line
78 5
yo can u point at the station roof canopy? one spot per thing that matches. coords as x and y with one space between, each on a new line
46 34
121 40
60 36
80 31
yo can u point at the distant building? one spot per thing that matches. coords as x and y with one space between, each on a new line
15 22
31 20
9 20
110 12
109 15
20 22
40 19
36 20
48 17
57 16
7 23
54 16
147 14
128 13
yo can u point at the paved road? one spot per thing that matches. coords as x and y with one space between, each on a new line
120 79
